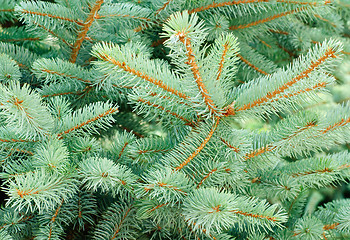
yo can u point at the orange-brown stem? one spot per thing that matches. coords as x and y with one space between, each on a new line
121 151
329 53
110 111
206 176
259 151
200 148
21 39
235 149
152 80
86 26
251 65
17 140
222 60
118 226
65 75
341 123
188 122
195 71
163 7
125 15
303 3
254 215
223 4
268 19
54 34
51 16
158 206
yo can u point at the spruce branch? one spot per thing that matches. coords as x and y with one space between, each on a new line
166 186
57 70
252 65
127 14
85 28
308 228
264 20
7 10
165 8
146 106
208 5
216 211
24 110
23 57
217 138
52 155
89 118
9 70
290 87
18 35
255 63
112 54
181 25
320 171
97 173
144 151
84 146
197 149
54 231
118 222
4 235
46 14
69 45
9 135
223 53
13 221
25 194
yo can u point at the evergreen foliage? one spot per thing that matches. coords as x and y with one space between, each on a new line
175 119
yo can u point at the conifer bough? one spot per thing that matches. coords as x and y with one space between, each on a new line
174 119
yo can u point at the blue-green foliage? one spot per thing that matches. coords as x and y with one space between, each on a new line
174 119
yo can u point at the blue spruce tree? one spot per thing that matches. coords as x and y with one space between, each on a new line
175 119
